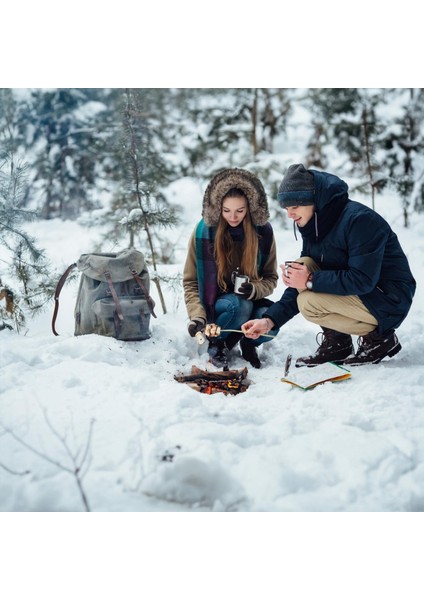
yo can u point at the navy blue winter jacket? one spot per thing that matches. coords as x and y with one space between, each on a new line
358 254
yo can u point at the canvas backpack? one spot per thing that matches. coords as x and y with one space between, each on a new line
113 296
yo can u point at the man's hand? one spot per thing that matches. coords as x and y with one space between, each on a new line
246 289
195 325
295 276
255 328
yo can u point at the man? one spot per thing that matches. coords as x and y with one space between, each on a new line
352 278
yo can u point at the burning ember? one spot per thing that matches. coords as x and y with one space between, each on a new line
212 382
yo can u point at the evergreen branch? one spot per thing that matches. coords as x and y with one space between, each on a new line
35 253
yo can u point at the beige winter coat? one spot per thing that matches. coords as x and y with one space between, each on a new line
263 286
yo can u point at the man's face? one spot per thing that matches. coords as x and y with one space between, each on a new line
300 214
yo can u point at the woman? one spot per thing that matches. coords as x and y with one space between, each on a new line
234 236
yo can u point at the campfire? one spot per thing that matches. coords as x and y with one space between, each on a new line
212 382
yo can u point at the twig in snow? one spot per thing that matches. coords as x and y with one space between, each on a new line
77 465
20 473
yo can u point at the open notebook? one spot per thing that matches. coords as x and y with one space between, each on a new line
308 377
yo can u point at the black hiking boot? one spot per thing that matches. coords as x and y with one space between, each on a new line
249 353
372 348
233 339
333 347
218 351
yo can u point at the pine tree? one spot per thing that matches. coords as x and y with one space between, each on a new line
138 204
65 149
229 126
404 146
25 284
9 122
336 111
348 118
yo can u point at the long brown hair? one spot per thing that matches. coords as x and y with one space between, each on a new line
224 245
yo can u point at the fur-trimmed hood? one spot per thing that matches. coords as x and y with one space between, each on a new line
245 181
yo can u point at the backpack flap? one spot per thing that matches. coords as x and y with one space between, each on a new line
120 265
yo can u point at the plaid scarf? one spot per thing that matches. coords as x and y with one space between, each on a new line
207 271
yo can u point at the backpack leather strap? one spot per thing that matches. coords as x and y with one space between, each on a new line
58 289
114 295
146 293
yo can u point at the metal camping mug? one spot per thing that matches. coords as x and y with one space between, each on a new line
288 264
238 279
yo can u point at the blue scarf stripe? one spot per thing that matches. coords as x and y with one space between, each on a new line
206 268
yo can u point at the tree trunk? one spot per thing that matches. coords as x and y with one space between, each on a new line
368 154
254 113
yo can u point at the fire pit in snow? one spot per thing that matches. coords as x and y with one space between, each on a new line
211 382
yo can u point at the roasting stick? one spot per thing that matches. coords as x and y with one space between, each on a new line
240 331
213 330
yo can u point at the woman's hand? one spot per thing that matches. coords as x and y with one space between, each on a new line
197 324
295 275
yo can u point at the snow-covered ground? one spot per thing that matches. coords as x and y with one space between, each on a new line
91 422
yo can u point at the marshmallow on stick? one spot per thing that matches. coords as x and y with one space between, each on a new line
212 330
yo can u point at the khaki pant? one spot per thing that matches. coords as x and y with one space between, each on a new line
346 314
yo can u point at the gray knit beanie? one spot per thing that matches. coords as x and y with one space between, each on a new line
297 187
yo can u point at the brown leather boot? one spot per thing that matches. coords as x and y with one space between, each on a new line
333 347
372 348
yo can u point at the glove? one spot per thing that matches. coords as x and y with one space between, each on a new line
246 290
196 325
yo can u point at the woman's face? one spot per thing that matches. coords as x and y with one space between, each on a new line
301 214
234 210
